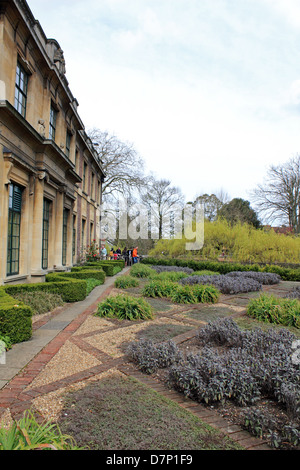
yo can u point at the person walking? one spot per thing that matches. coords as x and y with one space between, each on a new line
125 256
103 252
135 255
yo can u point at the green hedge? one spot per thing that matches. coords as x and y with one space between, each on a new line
15 318
111 269
70 290
119 262
81 274
287 274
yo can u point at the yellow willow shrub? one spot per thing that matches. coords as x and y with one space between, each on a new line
241 242
254 245
218 235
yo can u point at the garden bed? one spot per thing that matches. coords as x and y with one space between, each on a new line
270 411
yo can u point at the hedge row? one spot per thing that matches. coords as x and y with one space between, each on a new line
70 290
15 318
111 268
80 274
286 274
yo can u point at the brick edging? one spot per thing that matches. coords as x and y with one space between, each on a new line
210 417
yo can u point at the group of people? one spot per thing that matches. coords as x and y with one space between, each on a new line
129 255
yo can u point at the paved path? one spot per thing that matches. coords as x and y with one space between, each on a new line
27 375
22 353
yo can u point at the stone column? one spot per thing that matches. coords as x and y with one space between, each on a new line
70 238
59 208
3 218
37 227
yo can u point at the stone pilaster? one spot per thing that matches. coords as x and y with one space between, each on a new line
59 209
37 226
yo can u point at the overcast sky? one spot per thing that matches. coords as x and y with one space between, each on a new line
208 91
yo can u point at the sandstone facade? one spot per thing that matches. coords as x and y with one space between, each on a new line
50 173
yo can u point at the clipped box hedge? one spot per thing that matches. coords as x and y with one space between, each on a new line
108 262
80 274
111 268
71 290
286 274
15 318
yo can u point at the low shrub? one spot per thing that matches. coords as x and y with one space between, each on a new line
162 269
115 265
263 278
91 284
111 270
71 290
170 276
124 282
40 302
249 365
254 363
150 356
15 319
157 288
261 423
225 284
125 307
142 271
206 293
271 309
221 332
82 274
294 293
204 272
181 294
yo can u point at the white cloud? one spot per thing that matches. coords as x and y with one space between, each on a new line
288 9
208 92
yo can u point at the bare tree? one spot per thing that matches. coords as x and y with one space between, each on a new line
278 199
212 205
122 166
163 200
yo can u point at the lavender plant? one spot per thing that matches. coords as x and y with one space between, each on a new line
262 277
150 356
294 293
249 365
225 284
163 269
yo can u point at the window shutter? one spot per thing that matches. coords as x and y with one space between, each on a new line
17 199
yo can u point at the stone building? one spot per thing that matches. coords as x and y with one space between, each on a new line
50 173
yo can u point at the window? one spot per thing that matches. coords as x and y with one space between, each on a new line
84 176
14 224
52 127
65 237
83 233
99 193
91 232
92 185
45 240
74 236
76 161
21 90
68 143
